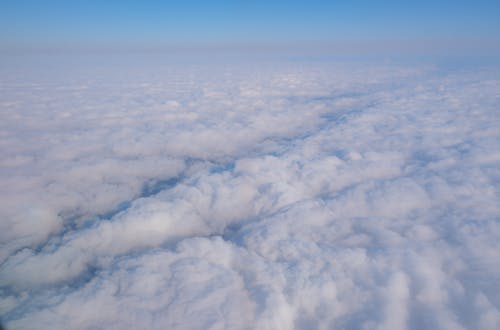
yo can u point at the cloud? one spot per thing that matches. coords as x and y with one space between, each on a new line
249 195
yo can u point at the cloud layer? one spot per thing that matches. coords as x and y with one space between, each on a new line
259 195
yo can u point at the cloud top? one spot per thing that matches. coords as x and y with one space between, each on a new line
269 195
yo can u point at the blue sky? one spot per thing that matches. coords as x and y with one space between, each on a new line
30 22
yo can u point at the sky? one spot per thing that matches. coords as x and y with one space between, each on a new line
153 190
139 23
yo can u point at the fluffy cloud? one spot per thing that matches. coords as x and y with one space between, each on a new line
249 195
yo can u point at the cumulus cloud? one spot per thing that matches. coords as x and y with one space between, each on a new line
256 195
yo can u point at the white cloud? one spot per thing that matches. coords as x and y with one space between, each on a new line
250 195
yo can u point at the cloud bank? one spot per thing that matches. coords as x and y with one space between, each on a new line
258 195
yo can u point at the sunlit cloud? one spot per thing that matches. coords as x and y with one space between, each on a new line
276 194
